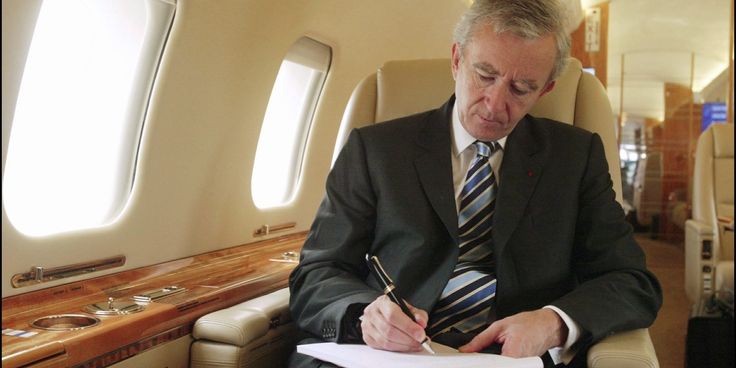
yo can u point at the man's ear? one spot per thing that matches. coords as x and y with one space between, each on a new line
456 56
547 88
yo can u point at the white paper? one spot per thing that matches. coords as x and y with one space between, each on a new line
363 356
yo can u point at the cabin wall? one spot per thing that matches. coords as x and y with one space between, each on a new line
192 187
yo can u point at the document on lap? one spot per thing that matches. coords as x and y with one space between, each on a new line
363 356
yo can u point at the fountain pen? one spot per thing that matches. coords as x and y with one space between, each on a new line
390 289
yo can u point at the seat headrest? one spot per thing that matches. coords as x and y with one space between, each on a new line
406 87
560 103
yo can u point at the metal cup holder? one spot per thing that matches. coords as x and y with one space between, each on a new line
65 322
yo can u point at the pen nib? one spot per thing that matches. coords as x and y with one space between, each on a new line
426 347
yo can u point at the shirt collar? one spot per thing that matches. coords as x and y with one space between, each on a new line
461 138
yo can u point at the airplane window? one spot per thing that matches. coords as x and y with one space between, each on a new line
286 123
80 111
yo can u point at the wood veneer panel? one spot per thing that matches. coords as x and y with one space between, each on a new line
213 281
593 59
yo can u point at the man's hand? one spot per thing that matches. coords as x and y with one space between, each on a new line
522 335
386 327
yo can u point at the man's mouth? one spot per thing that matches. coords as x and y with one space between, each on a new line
490 120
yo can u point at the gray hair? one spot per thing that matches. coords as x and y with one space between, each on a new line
529 19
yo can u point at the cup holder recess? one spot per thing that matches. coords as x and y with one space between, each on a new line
65 322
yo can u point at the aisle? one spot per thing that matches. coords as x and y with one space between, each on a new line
668 332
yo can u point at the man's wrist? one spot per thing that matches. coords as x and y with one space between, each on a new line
572 329
558 327
566 352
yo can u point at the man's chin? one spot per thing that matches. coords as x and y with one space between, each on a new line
487 130
488 135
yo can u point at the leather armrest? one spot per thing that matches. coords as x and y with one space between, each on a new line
629 349
699 228
245 322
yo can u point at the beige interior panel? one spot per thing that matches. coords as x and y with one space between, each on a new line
192 194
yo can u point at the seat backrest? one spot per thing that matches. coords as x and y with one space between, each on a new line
405 87
713 184
648 188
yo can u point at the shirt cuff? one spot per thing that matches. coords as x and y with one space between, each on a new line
564 353
351 333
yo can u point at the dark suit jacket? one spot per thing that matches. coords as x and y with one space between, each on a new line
559 236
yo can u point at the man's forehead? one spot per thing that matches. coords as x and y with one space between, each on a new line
515 75
488 57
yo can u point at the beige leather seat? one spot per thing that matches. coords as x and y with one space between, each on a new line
708 243
400 88
648 190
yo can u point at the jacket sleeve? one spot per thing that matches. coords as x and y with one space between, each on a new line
615 290
332 270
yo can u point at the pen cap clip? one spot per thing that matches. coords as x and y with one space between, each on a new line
379 271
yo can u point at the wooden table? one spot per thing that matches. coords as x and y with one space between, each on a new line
212 281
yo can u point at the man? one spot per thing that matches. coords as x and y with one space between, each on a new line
478 193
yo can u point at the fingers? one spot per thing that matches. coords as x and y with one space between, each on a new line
522 335
420 315
386 327
381 330
516 349
482 340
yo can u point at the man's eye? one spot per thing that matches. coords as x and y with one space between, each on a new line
519 91
486 79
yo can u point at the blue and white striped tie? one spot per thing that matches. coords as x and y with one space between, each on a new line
466 300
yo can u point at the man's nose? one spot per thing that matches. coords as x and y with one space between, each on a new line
495 98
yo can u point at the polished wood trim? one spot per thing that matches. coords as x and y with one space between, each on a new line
214 281
48 352
136 348
591 59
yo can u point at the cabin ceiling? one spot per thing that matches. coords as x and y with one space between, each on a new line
658 39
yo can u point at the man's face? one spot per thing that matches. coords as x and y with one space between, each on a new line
498 78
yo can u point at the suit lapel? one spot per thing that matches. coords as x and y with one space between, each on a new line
524 156
434 166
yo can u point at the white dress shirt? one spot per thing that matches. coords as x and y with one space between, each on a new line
463 153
